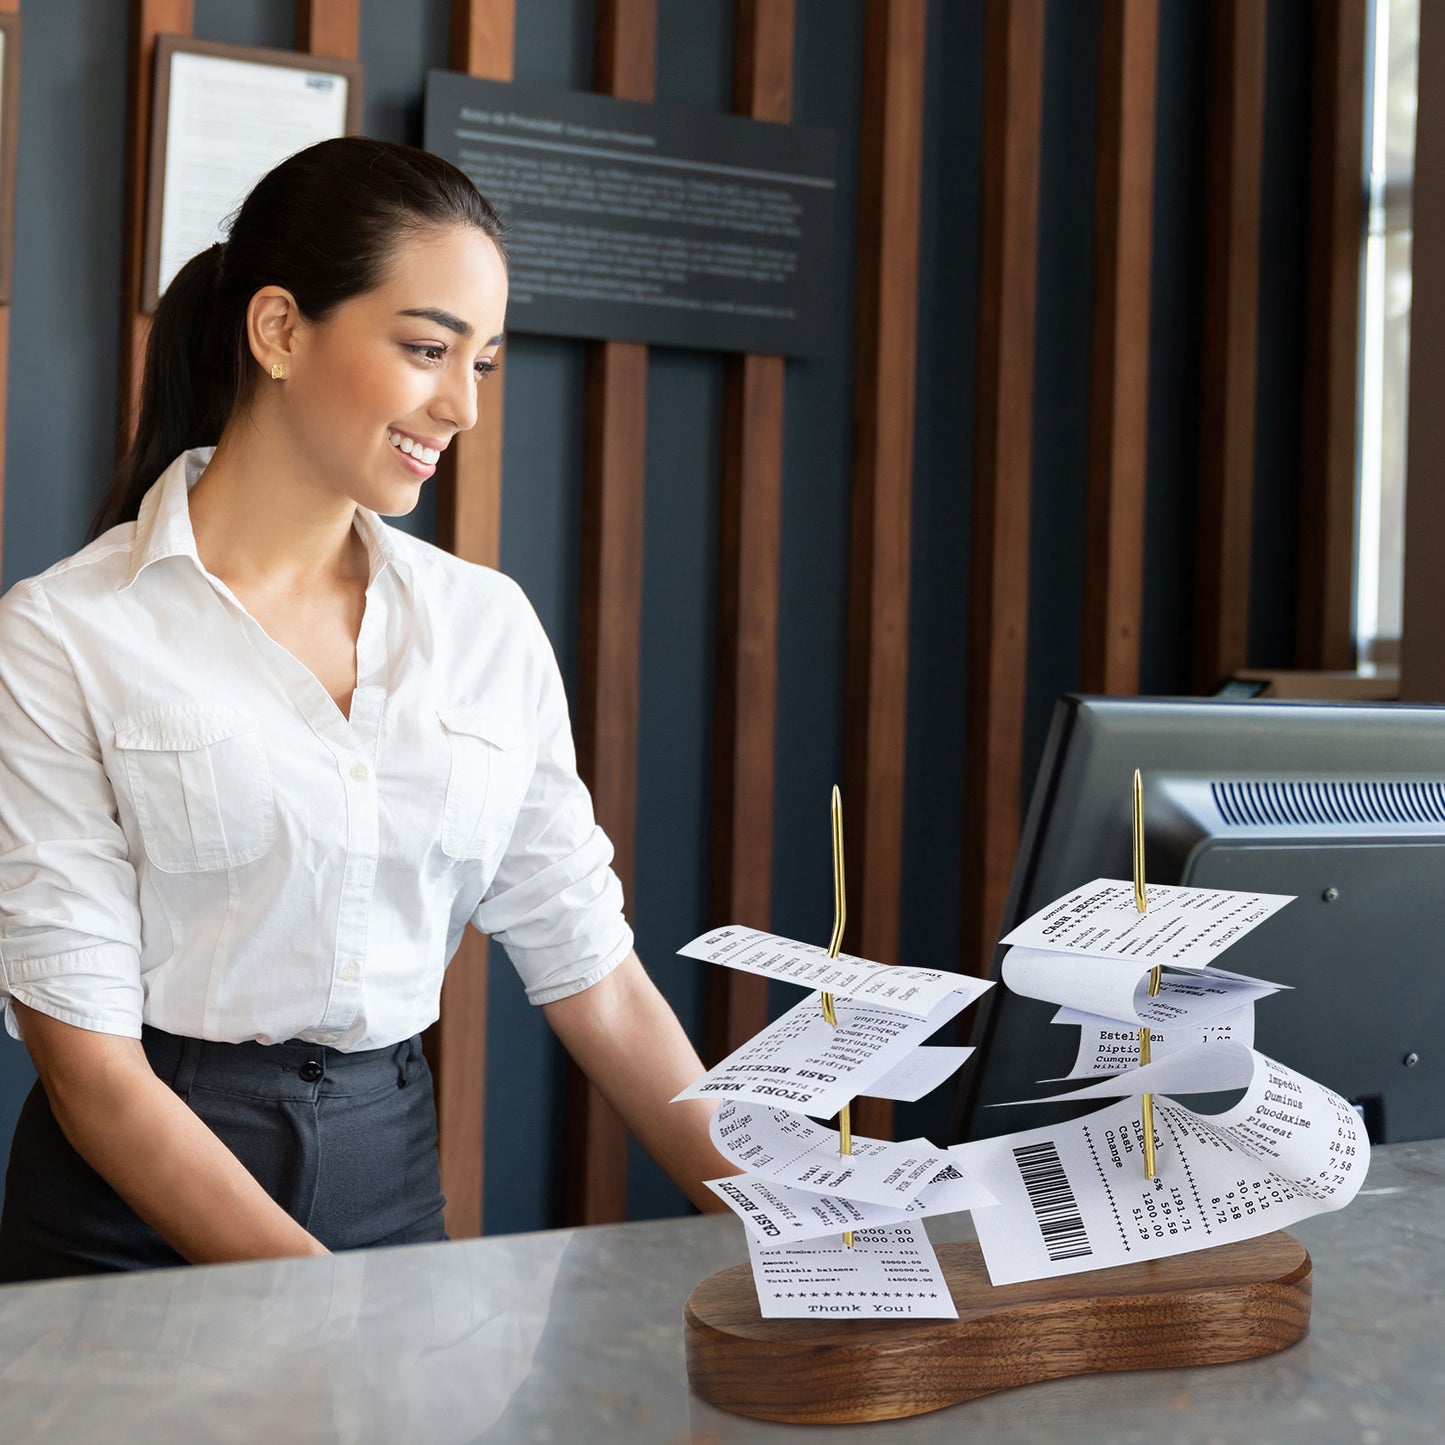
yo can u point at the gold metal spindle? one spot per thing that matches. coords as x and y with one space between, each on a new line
1141 902
840 917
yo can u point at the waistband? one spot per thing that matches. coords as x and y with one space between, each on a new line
290 1070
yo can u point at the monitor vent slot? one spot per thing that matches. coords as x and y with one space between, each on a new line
1329 804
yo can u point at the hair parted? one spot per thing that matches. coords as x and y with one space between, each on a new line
323 224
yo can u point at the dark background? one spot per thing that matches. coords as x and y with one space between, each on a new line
64 348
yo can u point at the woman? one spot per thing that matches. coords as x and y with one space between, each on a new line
263 757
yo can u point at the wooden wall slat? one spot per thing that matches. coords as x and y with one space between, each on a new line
1325 622
1231 327
889 183
469 492
1119 345
484 37
1422 640
469 495
149 18
330 28
1002 468
750 545
610 622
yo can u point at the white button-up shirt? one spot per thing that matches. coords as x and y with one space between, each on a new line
193 836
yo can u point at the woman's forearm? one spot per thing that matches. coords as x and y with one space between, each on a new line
627 1040
154 1151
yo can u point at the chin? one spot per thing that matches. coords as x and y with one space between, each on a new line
394 504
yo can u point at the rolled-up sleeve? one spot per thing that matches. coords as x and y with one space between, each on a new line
555 904
69 916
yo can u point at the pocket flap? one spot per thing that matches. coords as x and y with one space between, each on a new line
180 729
494 724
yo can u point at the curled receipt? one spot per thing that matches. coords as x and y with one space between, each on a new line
916 991
1118 988
1073 1196
791 1149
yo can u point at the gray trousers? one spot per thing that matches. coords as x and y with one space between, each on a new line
345 1143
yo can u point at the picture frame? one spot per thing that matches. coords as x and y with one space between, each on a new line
221 117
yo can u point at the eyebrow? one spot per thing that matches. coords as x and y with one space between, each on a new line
452 323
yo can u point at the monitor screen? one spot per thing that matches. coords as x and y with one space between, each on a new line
1342 805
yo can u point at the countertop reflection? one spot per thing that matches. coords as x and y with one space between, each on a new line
576 1335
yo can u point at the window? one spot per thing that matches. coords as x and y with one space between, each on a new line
1385 341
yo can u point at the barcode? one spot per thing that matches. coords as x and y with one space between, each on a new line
1055 1208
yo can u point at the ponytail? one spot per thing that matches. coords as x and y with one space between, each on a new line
323 225
192 375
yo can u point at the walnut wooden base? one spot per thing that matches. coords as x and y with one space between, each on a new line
1234 1302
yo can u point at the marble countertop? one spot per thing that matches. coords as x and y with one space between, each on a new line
577 1336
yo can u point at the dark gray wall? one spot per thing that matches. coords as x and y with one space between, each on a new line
64 340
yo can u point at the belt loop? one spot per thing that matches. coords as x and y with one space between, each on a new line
186 1073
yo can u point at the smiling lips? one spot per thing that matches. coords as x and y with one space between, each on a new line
427 456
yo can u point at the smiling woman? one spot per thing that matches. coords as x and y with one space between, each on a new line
266 757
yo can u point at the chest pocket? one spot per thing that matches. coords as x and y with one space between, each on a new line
491 766
201 787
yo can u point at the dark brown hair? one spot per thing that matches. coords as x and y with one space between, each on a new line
323 225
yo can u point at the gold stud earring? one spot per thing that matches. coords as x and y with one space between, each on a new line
278 371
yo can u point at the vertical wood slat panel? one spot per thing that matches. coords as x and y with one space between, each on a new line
469 526
610 624
1422 640
148 18
469 495
890 166
1325 624
1231 322
750 545
1119 349
329 28
1002 462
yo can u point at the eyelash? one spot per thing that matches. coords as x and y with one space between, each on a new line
484 368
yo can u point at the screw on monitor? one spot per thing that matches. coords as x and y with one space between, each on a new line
1330 895
1410 1060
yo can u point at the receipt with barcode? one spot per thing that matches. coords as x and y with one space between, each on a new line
1073 1196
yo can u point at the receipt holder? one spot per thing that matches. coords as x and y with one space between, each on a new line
1216 1306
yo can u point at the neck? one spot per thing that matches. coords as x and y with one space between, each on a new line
259 520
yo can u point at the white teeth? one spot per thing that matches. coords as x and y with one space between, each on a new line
426 455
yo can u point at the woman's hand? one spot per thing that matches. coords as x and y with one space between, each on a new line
149 1146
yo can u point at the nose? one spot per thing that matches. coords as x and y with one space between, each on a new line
455 403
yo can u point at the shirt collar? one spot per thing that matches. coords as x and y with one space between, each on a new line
163 527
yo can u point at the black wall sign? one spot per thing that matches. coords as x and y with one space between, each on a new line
656 223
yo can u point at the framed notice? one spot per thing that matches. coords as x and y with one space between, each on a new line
223 116
658 223
9 124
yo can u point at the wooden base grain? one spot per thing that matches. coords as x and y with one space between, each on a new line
1234 1302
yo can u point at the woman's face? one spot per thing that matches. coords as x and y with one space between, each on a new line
396 370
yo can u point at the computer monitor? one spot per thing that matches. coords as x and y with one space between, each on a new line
1342 805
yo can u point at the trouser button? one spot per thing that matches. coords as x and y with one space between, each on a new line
310 1071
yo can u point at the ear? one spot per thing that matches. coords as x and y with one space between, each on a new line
273 320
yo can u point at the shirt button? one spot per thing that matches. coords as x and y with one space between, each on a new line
325 1038
360 773
351 972
310 1071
